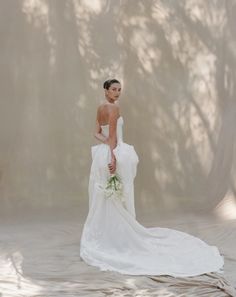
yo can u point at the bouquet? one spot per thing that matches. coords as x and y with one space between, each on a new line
114 187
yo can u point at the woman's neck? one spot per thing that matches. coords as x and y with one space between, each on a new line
110 101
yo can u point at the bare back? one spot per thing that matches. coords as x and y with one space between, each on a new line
104 112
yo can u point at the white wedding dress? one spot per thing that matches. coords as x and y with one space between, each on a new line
112 239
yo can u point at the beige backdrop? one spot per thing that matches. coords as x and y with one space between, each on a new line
176 61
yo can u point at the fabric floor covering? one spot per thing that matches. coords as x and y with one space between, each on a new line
39 256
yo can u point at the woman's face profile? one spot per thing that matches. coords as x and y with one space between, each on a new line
113 92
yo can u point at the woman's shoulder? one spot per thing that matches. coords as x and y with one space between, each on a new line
108 107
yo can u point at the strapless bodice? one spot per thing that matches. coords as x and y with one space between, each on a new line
119 129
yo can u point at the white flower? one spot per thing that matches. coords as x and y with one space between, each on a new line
114 187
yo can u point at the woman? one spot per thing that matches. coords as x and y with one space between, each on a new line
112 239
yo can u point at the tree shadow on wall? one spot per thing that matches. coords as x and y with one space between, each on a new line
181 102
174 63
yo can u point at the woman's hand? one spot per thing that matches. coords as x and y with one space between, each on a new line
112 166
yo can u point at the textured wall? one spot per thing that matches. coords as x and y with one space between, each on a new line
176 60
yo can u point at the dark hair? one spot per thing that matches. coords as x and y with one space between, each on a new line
109 82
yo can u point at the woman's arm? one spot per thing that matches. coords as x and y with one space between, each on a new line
98 135
112 138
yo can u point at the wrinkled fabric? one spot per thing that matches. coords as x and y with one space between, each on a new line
112 239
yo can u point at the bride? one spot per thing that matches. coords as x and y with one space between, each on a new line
112 239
